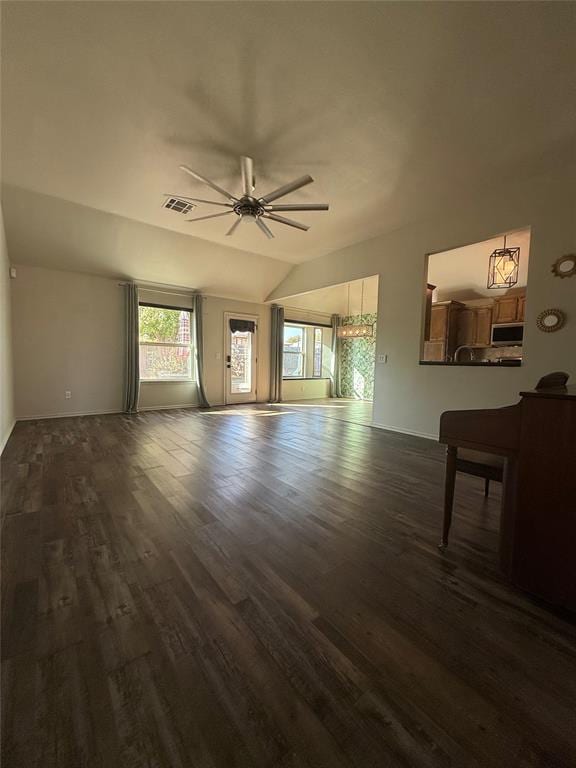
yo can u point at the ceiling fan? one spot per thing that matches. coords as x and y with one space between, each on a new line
249 208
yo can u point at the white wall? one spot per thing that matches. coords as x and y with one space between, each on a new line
68 334
410 397
6 370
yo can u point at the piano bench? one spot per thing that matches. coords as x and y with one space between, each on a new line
487 465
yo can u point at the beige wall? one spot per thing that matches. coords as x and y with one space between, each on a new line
6 381
305 389
410 397
214 353
167 394
67 335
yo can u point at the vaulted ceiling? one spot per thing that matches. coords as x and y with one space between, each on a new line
396 109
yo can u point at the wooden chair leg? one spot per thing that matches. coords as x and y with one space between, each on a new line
451 454
486 486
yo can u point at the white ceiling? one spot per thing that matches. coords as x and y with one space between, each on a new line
396 109
344 299
462 273
49 232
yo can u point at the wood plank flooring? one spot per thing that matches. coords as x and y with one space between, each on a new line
262 587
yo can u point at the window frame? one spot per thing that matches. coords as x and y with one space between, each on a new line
308 351
315 331
181 379
301 354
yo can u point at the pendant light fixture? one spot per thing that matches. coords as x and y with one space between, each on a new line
503 267
351 331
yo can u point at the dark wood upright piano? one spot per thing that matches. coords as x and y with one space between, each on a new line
538 524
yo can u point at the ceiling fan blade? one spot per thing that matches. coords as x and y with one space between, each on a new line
286 189
247 169
301 207
204 180
233 227
198 200
267 231
282 220
212 216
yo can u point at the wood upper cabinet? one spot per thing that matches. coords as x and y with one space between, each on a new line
438 322
483 326
474 327
509 309
442 338
521 308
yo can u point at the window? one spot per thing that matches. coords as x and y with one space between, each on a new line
294 341
302 351
165 343
317 364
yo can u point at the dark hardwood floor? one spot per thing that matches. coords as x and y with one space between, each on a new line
262 587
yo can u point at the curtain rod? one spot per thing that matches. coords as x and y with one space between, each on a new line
152 288
310 311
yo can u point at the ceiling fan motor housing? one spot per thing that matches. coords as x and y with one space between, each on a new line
249 206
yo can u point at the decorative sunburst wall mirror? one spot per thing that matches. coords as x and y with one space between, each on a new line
551 320
565 266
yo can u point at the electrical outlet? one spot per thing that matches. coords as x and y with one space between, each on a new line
67 394
382 358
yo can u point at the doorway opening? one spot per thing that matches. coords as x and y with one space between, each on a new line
329 352
241 371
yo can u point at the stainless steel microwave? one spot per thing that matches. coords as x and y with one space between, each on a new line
507 335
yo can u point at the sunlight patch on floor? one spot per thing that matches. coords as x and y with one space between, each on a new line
246 413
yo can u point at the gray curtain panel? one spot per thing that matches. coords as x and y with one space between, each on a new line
335 388
132 378
199 339
276 353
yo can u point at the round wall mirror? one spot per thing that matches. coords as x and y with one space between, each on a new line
565 266
551 320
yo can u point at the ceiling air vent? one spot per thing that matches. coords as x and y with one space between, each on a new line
178 205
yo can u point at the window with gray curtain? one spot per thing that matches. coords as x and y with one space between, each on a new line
335 387
132 349
276 353
197 303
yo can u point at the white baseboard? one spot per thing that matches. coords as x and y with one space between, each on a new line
6 437
67 415
413 432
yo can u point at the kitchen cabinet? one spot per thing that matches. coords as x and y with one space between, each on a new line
442 337
434 351
521 308
474 327
509 309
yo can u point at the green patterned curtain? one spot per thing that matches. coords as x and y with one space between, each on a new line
276 353
132 377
